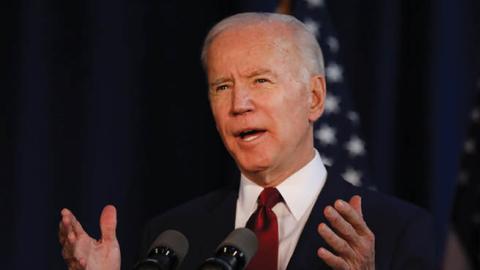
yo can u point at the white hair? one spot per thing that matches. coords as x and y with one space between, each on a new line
305 42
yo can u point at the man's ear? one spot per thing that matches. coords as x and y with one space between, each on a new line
318 91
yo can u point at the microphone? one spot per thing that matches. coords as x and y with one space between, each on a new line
234 253
166 252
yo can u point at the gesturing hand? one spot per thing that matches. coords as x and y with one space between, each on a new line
348 235
80 251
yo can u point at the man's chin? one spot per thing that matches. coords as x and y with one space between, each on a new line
251 169
261 177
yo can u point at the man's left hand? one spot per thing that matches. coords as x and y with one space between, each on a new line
352 241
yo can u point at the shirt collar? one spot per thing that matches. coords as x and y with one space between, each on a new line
299 190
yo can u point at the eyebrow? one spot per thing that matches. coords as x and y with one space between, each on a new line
220 81
257 72
252 74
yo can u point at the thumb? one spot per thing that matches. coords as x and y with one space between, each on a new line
108 223
356 203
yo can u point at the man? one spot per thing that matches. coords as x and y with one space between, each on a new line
266 90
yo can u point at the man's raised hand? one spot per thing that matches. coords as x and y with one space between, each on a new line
80 251
348 235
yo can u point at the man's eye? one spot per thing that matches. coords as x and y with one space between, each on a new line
222 87
261 80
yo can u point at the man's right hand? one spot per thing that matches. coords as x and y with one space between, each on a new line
81 251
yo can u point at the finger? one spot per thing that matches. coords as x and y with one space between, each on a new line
72 238
332 239
73 262
71 223
332 260
75 265
67 254
65 222
61 233
356 203
108 223
69 245
340 225
350 215
64 228
82 262
66 216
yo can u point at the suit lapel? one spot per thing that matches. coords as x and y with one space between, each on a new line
305 254
222 220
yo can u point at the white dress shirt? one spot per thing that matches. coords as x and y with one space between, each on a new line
299 192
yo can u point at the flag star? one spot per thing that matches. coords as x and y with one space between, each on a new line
326 135
353 116
355 146
312 26
334 72
326 160
476 114
469 146
332 104
332 43
315 3
352 176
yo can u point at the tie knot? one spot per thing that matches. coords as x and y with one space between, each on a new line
269 197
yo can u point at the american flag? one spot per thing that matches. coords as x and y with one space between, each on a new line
337 133
466 210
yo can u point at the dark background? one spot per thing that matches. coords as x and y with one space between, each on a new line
105 102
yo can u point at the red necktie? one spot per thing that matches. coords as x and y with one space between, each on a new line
264 223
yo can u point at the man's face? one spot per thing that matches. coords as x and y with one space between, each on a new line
262 101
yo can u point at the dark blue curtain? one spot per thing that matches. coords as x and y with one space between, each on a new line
414 68
101 102
454 81
105 102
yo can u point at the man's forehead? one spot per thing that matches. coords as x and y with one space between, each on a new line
252 37
250 60
248 72
251 48
262 29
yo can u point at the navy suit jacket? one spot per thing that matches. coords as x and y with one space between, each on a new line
403 232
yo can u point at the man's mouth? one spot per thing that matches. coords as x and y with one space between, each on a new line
250 134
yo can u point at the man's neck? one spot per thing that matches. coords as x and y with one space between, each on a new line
273 177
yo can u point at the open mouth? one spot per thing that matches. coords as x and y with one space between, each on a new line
251 134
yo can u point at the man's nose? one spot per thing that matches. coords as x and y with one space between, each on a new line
241 100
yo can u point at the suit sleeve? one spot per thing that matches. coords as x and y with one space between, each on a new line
415 247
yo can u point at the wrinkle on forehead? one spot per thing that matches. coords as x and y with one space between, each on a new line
273 36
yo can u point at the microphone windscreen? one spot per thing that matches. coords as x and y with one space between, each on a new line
243 239
173 240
